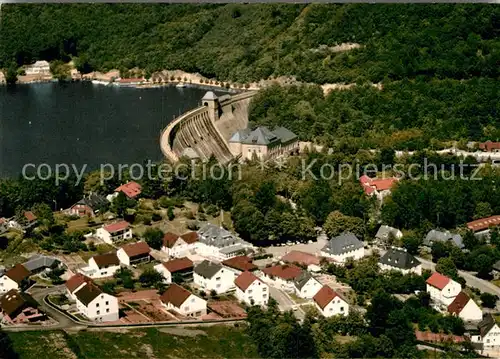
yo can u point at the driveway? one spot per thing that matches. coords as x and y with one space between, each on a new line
285 302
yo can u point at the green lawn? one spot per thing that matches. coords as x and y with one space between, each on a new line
203 342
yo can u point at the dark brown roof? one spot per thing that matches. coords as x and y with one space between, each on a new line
105 260
458 303
324 296
77 280
284 271
176 295
136 249
88 293
14 301
242 263
178 264
18 273
169 239
190 237
244 280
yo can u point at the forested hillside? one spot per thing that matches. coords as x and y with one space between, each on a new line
249 42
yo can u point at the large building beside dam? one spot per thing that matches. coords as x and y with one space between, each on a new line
219 128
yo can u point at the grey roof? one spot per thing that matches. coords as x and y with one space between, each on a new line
93 200
486 324
399 258
384 231
207 269
284 134
302 279
344 243
439 236
39 261
232 249
213 235
209 96
260 136
496 266
238 136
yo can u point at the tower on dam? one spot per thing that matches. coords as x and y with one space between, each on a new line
211 101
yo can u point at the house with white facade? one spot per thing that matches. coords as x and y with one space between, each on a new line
378 187
14 278
342 247
435 235
216 242
179 246
400 260
134 253
306 286
101 266
251 290
96 305
465 308
385 233
182 301
114 232
178 266
282 276
213 276
329 303
488 334
41 67
442 289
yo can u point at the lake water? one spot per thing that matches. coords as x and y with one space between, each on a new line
82 123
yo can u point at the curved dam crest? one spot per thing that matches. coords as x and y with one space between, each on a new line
207 129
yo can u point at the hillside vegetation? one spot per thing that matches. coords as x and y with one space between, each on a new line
249 42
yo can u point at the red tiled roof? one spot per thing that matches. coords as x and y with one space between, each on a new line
438 280
458 303
324 296
178 264
131 189
379 184
284 271
365 179
484 223
301 258
136 249
438 337
77 280
2 220
18 273
169 239
489 146
176 295
118 226
242 263
190 237
245 279
30 216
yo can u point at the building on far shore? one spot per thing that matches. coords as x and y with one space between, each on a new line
38 68
482 226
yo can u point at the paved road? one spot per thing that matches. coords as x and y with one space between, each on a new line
285 302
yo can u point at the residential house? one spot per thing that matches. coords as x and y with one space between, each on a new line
482 226
96 305
130 189
342 247
18 307
263 143
386 233
465 308
101 266
251 290
75 283
88 206
487 334
442 289
24 222
41 68
14 278
39 263
489 146
282 276
182 267
182 301
400 260
378 187
329 303
134 253
114 232
307 260
306 286
443 236
240 264
216 242
213 276
179 246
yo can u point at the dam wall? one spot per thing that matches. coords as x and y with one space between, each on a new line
207 129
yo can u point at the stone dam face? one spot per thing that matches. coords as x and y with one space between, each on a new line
206 130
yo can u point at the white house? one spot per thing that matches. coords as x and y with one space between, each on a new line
183 302
282 276
306 286
101 266
114 232
181 266
96 305
213 276
13 278
378 187
329 303
400 260
251 290
179 246
442 289
488 334
38 68
465 308
342 247
216 242
134 253
385 232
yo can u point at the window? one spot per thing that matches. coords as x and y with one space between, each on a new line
97 305
264 289
97 312
264 296
218 278
250 291
107 303
217 286
192 300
